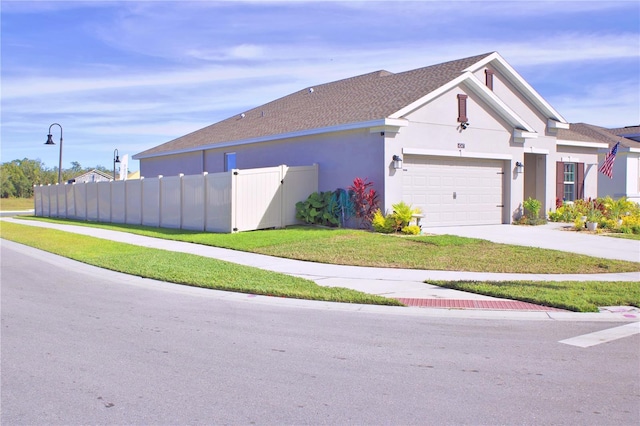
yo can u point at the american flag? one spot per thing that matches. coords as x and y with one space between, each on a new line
607 165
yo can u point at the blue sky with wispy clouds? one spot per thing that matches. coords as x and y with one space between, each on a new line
130 75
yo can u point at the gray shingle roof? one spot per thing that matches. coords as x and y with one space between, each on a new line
589 133
367 97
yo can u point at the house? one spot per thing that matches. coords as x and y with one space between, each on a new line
466 141
625 178
92 176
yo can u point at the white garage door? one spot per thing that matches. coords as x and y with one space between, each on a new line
454 191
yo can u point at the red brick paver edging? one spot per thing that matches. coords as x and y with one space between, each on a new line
505 305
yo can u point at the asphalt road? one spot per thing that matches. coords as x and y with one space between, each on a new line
85 346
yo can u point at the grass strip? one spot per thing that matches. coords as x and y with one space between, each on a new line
362 248
180 268
16 204
575 296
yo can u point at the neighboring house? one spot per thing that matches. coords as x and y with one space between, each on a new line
625 181
463 130
92 176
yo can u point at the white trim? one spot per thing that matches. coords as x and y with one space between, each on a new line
555 125
516 79
387 122
458 154
532 150
582 144
636 150
522 134
570 159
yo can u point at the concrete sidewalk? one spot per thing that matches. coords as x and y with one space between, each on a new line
404 284
554 236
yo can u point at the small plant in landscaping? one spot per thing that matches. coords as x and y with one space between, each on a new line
318 209
411 230
344 206
619 215
532 206
365 201
398 221
532 213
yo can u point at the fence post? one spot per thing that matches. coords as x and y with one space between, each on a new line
181 175
205 198
283 194
159 201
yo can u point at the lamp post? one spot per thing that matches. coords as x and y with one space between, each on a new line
51 142
116 159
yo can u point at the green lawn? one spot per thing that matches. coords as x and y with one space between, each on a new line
361 248
16 204
211 273
624 236
570 295
179 267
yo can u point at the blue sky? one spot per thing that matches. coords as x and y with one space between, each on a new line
131 75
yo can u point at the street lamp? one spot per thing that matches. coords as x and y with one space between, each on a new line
116 159
51 142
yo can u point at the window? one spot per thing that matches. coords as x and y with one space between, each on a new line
229 161
462 109
569 181
569 193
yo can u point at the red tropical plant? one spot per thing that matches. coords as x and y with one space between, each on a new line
365 200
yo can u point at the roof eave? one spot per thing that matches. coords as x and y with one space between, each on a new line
582 144
386 124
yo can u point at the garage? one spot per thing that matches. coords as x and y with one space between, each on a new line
454 191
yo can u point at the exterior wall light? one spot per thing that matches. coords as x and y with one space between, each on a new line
397 162
519 167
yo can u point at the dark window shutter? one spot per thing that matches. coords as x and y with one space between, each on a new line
489 78
580 181
462 108
559 180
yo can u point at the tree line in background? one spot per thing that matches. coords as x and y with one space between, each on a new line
17 177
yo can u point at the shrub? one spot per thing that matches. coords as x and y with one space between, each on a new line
381 223
318 209
411 230
532 206
605 211
343 203
365 201
396 221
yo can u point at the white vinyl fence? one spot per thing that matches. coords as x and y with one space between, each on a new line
234 201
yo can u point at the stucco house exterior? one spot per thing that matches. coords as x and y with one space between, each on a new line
625 180
475 140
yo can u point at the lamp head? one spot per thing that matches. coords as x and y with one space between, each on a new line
49 140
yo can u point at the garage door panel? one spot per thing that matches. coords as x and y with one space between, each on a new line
454 191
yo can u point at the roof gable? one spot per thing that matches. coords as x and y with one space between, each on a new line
500 64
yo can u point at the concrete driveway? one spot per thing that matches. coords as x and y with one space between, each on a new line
555 236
